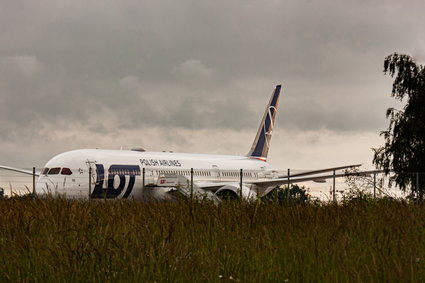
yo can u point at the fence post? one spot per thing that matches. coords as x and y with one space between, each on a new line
333 188
374 185
33 181
143 180
240 184
289 184
89 182
191 183
417 186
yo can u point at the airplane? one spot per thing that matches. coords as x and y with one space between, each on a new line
139 174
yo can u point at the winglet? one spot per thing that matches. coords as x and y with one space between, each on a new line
261 145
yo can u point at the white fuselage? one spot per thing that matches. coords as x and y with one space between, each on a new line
120 172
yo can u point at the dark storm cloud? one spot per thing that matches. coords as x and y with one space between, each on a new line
196 64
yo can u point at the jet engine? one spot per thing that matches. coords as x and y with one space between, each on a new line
233 192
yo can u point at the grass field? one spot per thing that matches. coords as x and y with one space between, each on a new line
62 240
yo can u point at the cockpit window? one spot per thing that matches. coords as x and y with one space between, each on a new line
54 171
66 171
44 171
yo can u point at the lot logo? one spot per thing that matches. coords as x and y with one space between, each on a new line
113 188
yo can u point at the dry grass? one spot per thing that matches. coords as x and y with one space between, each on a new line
62 240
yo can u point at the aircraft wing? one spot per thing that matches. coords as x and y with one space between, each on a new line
313 172
23 171
272 183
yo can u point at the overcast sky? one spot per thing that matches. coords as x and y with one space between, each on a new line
195 76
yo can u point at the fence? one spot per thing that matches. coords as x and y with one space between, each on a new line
337 185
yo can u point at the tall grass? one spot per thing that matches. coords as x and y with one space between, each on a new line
63 240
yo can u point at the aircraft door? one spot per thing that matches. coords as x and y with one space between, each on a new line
262 173
216 174
149 176
92 181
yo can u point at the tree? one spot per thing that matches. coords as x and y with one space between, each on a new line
404 149
362 186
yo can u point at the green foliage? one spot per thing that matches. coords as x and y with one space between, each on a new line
294 195
361 186
404 149
356 194
60 240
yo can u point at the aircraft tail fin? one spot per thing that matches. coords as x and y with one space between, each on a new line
260 147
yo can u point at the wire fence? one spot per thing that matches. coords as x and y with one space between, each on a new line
344 185
375 185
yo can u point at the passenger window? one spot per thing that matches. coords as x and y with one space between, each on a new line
66 171
54 171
